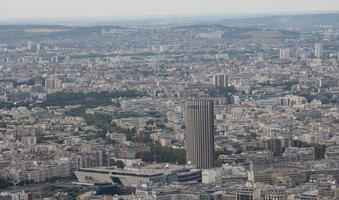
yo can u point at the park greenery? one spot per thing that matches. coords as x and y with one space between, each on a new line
223 92
44 139
165 155
218 153
319 149
3 124
288 85
4 183
9 105
103 122
248 136
117 163
158 124
91 99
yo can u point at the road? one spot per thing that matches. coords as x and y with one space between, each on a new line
36 187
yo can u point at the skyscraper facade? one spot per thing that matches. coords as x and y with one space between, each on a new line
220 81
284 53
199 133
318 50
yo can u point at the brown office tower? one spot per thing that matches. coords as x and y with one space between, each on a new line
199 134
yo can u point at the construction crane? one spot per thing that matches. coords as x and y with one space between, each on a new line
142 147
154 153
125 153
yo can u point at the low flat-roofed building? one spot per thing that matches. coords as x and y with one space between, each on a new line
300 154
332 153
274 175
138 176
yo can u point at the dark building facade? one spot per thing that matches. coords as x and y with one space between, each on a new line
199 133
220 81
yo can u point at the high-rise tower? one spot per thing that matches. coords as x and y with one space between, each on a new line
220 81
318 50
199 133
284 53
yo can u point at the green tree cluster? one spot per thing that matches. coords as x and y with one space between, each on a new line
3 124
117 163
44 139
218 153
165 155
288 85
4 183
319 149
223 91
87 99
101 121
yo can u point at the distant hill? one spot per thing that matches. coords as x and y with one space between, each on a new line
285 20
167 21
31 32
15 32
241 32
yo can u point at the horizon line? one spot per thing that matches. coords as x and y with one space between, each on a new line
150 16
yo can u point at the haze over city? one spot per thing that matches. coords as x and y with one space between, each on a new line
170 100
106 8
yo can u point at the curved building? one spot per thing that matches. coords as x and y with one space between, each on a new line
199 134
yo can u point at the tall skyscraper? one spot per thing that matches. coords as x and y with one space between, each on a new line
29 45
298 52
274 145
220 81
284 53
318 50
53 83
199 133
260 57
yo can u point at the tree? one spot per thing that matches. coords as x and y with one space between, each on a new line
165 155
217 153
110 141
3 124
117 163
87 99
4 183
319 149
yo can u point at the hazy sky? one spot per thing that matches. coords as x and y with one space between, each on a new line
90 8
